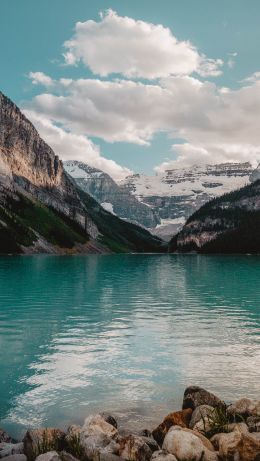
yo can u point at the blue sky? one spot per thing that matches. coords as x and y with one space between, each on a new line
32 35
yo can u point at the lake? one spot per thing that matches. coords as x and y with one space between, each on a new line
124 333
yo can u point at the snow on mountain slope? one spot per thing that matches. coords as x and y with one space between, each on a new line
163 202
212 180
177 193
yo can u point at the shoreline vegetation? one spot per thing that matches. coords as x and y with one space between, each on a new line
205 429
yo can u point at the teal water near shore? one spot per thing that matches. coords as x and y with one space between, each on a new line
124 333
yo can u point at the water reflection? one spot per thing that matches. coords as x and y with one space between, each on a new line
81 334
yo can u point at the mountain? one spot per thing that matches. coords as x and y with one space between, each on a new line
175 194
227 224
41 208
161 203
110 195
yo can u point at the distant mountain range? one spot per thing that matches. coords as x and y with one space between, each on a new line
42 210
164 202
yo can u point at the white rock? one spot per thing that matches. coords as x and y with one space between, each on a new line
186 446
95 425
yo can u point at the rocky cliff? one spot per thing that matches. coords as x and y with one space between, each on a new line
41 209
110 195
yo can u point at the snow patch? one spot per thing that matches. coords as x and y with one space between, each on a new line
108 207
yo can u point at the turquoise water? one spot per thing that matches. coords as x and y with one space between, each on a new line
124 333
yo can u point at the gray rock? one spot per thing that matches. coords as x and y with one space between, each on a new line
245 407
65 456
18 457
4 437
162 455
93 445
203 411
49 456
195 396
135 448
109 419
8 449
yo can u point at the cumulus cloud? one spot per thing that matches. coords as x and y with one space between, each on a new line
135 49
216 123
77 147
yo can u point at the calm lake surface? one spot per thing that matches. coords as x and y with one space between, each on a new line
124 333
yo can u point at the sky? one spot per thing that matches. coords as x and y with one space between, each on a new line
136 86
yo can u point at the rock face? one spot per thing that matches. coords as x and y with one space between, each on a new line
41 209
110 195
228 224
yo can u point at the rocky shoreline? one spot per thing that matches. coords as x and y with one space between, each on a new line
205 429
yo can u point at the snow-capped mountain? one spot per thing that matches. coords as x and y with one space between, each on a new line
162 203
114 198
177 193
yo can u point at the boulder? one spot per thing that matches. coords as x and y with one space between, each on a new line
162 455
8 449
244 408
206 442
185 445
109 419
65 456
49 456
203 412
18 457
253 423
135 448
54 456
95 435
93 445
177 418
4 437
95 425
152 444
239 445
195 396
38 441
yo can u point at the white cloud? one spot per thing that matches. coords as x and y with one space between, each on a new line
217 124
135 48
77 147
39 78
